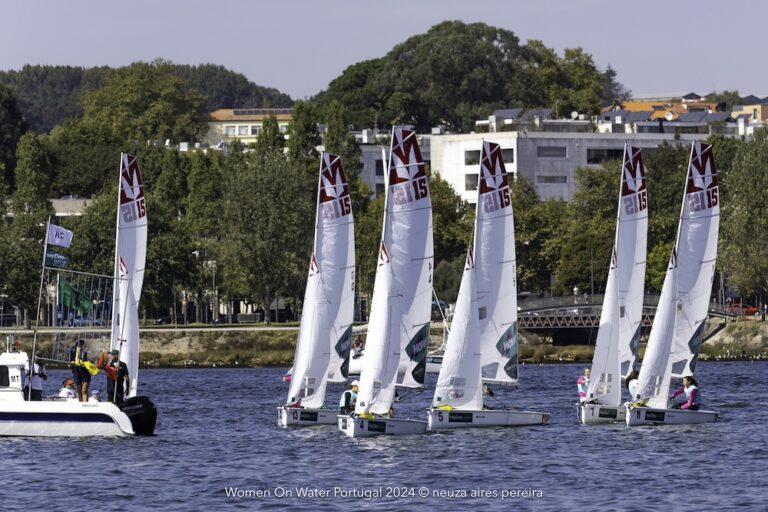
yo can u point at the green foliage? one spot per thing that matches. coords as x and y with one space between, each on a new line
744 230
665 173
448 276
33 178
457 73
145 102
270 139
303 136
12 127
49 95
656 266
729 98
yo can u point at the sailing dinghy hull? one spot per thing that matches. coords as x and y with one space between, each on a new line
361 427
63 418
593 414
649 416
438 419
303 417
434 362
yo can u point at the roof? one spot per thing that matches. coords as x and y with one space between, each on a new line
691 96
750 100
627 116
703 117
507 113
250 114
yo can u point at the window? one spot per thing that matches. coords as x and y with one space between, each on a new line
4 379
470 182
379 189
242 130
508 155
379 167
229 131
552 179
552 152
255 129
599 155
471 158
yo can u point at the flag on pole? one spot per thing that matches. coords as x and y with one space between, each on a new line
59 236
72 298
55 260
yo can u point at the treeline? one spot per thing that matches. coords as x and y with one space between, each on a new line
248 215
49 95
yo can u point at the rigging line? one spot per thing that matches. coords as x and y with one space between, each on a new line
502 403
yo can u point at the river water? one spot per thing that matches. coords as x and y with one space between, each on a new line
217 432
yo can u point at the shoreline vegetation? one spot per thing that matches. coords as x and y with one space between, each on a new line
273 346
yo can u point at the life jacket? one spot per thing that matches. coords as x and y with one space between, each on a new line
697 398
582 384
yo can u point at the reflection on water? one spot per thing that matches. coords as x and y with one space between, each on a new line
217 429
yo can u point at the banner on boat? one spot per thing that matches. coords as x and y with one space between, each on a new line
55 260
59 236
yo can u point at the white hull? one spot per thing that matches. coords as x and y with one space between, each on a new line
438 419
63 418
302 417
434 363
650 416
592 414
355 365
359 427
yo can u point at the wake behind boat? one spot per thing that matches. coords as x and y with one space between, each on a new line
676 335
398 327
621 316
325 334
482 343
69 417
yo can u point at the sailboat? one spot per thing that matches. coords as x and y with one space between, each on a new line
621 316
398 327
482 343
70 417
325 334
678 327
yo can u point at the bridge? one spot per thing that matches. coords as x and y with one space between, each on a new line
573 320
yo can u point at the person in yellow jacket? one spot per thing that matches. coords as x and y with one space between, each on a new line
80 374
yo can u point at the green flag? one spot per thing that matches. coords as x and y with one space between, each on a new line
72 298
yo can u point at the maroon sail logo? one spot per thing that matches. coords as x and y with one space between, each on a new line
407 174
132 205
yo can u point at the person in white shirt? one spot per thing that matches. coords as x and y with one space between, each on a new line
632 384
36 380
68 389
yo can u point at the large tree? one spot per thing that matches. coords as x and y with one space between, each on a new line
744 227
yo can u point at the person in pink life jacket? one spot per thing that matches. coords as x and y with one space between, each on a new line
691 390
582 383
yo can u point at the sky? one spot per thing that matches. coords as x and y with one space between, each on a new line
657 47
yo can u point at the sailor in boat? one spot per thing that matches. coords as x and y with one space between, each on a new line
67 389
118 379
36 380
349 398
632 385
82 377
582 383
692 395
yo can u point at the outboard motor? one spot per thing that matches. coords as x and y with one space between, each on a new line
142 413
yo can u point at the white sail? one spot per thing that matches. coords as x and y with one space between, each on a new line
398 328
677 328
459 384
130 257
621 317
495 270
325 334
655 372
696 256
